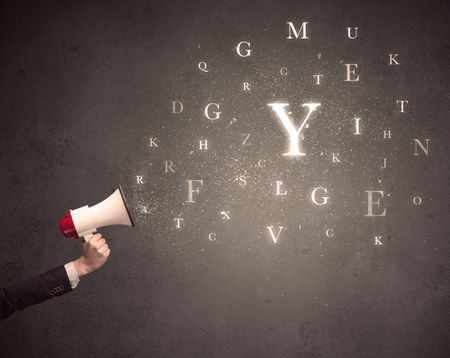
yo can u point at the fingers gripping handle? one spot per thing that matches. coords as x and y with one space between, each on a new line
88 237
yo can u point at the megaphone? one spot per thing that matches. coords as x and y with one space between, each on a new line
84 221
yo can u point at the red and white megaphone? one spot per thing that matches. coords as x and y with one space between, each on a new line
85 221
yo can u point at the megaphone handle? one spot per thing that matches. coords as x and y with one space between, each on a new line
87 237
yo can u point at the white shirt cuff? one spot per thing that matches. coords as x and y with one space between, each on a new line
72 274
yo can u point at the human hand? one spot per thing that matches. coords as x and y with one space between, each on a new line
95 253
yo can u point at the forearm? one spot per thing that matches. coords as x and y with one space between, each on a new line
50 284
81 267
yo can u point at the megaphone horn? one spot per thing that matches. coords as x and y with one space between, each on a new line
86 220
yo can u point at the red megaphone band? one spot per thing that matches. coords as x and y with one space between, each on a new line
67 226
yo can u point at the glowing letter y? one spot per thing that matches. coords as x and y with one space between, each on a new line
279 109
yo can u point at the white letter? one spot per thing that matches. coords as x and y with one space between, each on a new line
279 184
392 60
178 222
191 191
318 78
349 33
357 125
371 203
296 34
275 238
217 114
351 71
246 138
279 109
174 106
402 104
169 165
202 66
242 180
418 142
212 236
225 215
238 49
313 196
153 143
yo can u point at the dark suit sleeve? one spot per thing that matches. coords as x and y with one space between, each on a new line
51 284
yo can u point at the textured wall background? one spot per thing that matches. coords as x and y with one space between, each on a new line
84 85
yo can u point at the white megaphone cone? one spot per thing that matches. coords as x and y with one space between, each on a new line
85 221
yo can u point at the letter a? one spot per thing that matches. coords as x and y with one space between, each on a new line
294 134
